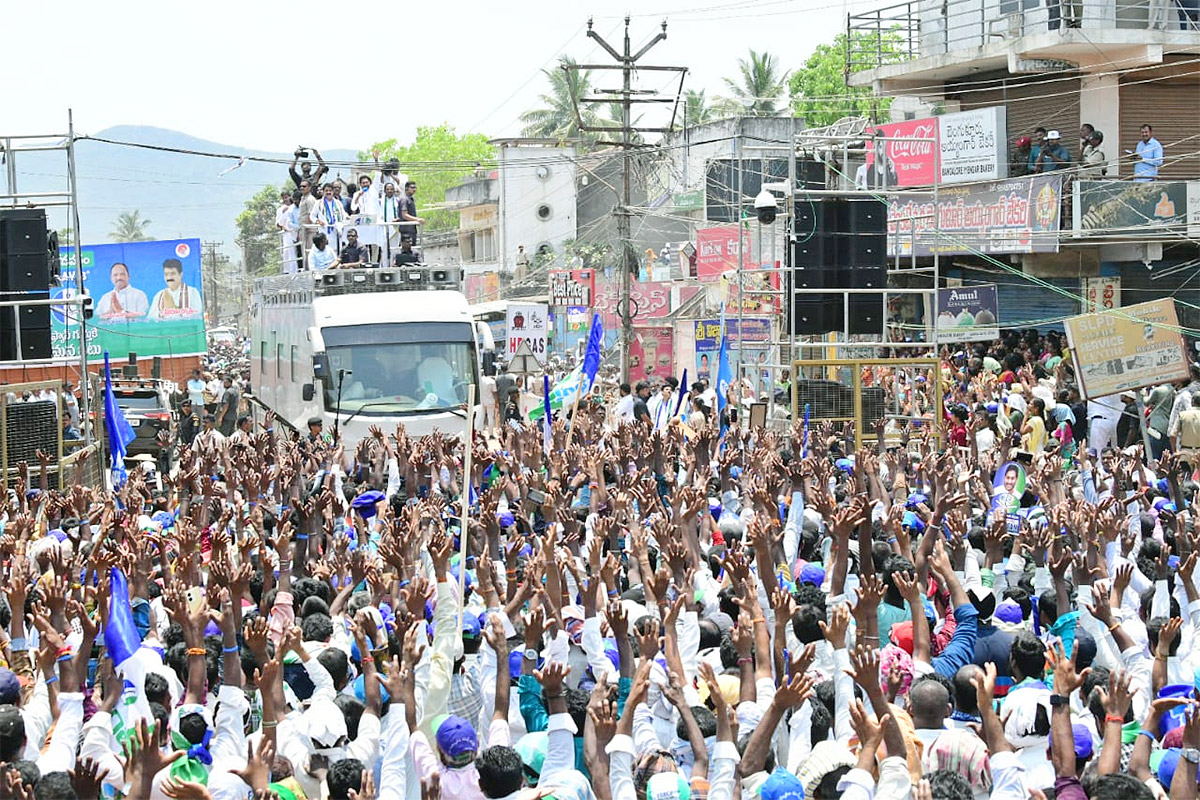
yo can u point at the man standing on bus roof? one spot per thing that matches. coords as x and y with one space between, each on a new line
122 301
408 212
178 300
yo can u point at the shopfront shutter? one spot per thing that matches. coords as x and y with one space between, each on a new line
1168 99
1032 101
1025 304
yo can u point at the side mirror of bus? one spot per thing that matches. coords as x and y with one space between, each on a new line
321 369
308 392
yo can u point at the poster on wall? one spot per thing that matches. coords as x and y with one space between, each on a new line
527 322
1128 348
749 345
651 353
147 296
961 147
968 314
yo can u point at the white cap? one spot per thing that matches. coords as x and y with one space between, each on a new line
1053 135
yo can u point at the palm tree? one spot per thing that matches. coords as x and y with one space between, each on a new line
557 119
759 86
696 110
130 227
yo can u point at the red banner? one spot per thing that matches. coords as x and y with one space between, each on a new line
650 300
908 163
717 251
576 287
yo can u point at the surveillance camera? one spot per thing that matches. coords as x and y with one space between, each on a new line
766 207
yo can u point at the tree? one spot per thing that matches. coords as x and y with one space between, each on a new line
436 160
557 119
820 93
257 234
129 226
758 88
696 110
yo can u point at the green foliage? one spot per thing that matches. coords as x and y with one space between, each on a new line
436 160
556 119
820 93
758 90
130 226
257 234
696 110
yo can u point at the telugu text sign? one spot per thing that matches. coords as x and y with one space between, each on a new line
1129 348
1017 215
147 298
960 147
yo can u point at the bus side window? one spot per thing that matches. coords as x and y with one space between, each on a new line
278 361
295 359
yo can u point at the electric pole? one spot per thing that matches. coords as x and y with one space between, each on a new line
208 268
626 61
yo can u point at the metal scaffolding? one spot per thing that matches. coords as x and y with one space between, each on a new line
12 197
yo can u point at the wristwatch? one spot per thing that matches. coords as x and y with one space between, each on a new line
531 653
1059 700
1191 754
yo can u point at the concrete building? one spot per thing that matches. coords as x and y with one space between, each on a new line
1114 64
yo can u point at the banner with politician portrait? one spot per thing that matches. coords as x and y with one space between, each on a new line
146 296
1008 487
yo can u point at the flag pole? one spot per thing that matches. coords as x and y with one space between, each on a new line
466 503
575 402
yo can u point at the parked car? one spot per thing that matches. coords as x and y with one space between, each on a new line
147 407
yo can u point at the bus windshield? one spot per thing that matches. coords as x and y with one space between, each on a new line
391 378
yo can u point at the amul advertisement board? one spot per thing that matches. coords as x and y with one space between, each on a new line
1127 348
968 314
953 148
1018 215
147 298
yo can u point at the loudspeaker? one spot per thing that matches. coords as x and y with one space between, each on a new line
23 231
156 368
25 272
34 325
35 343
810 173
812 246
862 229
818 314
866 313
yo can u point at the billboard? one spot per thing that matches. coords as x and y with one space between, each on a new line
717 251
749 345
1018 215
1120 208
147 295
954 148
527 322
968 314
1128 348
572 288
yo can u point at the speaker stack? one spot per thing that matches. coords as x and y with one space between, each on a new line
25 272
839 243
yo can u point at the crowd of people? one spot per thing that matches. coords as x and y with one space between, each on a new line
1045 152
326 226
995 598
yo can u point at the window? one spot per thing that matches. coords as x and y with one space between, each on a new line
262 357
544 212
295 363
278 361
543 172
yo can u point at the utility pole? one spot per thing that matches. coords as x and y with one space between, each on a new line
208 266
627 96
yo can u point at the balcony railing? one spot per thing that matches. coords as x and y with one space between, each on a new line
921 28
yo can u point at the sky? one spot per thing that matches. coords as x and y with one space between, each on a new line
270 75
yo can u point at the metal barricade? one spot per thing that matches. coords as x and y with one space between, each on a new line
869 392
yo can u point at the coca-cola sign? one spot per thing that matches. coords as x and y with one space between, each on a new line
962 147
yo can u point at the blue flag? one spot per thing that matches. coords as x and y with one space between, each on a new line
724 367
120 434
682 391
591 356
121 638
547 438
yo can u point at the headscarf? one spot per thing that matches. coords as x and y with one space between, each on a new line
963 752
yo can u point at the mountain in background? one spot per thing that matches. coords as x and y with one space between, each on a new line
182 195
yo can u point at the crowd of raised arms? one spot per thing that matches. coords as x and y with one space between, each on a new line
705 611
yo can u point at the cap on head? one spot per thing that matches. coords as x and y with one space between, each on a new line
1053 135
456 739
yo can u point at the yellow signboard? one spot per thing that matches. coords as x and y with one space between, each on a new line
1127 348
